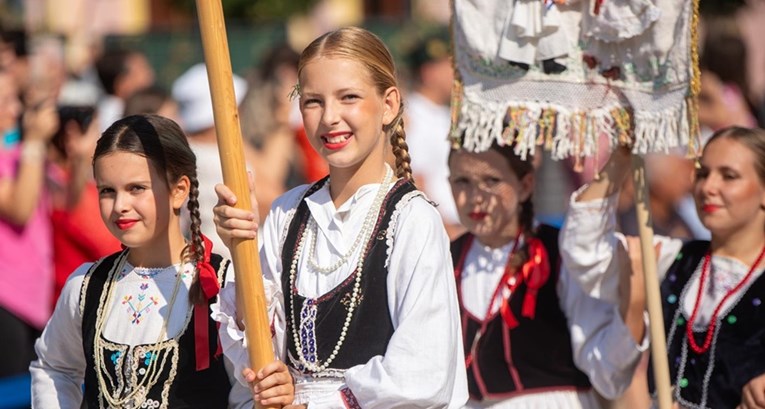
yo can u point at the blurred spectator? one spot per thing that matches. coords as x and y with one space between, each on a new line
26 269
266 121
725 98
77 236
192 92
14 57
121 72
428 121
153 100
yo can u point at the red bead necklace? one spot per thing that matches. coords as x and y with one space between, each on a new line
713 320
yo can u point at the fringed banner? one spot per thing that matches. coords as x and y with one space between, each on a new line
563 73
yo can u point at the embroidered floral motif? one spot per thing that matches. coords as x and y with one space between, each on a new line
138 310
346 300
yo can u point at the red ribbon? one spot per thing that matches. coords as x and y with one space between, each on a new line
535 272
208 280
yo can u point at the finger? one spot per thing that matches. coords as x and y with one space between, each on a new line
225 213
248 374
272 381
758 396
272 367
280 395
225 195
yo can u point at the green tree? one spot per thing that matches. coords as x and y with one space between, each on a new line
258 10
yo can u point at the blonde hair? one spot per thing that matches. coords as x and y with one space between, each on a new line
367 49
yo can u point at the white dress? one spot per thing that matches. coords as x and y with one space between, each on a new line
423 365
139 306
602 344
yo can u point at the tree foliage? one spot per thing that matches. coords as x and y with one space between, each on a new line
254 10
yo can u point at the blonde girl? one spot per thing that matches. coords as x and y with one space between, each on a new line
356 265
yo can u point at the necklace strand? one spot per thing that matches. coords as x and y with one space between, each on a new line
152 375
713 320
317 366
368 225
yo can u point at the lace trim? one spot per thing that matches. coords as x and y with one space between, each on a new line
290 215
390 234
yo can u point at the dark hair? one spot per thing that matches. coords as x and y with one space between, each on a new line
146 101
752 138
17 39
164 144
368 50
111 66
277 56
80 115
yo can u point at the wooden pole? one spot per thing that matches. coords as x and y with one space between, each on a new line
249 279
653 294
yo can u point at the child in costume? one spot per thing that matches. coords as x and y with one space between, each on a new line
532 338
135 327
711 291
356 266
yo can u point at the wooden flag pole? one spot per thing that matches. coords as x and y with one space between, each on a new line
249 280
652 292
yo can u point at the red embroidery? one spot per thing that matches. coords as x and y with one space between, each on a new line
349 399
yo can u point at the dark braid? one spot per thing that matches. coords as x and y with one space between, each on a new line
196 294
400 147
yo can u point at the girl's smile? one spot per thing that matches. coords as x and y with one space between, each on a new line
336 140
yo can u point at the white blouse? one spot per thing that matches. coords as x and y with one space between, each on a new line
602 344
423 365
595 254
138 307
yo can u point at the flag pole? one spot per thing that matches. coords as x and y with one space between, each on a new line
249 280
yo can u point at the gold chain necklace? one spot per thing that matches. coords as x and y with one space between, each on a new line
152 374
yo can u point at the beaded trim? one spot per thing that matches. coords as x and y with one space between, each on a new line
169 347
297 333
684 342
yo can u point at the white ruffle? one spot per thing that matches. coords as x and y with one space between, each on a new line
391 233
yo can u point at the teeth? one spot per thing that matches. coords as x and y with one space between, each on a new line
337 139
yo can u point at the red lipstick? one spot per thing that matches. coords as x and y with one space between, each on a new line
336 144
477 216
709 208
124 224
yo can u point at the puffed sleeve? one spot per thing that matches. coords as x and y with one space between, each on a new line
224 311
602 344
58 372
423 365
589 243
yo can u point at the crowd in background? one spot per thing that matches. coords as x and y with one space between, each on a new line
51 117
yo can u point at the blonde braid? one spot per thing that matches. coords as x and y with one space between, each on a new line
400 147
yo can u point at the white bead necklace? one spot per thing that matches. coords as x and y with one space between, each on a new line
369 224
374 211
152 374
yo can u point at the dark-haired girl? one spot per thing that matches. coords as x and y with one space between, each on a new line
134 327
532 338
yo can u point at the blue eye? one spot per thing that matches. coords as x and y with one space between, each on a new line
105 191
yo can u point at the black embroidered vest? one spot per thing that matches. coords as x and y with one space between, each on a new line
189 388
370 328
737 353
533 357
